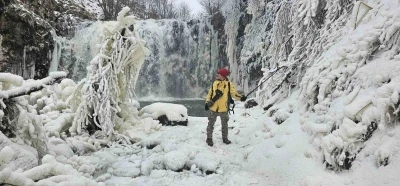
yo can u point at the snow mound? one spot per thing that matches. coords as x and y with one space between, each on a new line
205 161
175 160
174 112
24 157
125 169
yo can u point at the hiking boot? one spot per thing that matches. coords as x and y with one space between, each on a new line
226 141
209 142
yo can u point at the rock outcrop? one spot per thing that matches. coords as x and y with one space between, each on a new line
27 31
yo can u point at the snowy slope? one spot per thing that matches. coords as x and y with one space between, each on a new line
262 153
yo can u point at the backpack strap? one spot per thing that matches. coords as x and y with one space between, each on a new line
229 99
212 90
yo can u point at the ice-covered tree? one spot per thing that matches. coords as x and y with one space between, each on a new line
108 89
211 6
183 12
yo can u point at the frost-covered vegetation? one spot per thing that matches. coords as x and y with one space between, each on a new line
362 67
105 94
343 57
45 126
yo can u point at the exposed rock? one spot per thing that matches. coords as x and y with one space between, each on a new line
26 42
165 121
27 31
250 103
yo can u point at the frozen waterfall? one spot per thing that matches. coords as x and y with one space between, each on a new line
179 64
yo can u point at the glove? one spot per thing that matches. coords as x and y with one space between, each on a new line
206 106
243 98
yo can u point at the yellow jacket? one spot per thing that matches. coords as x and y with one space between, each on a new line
221 105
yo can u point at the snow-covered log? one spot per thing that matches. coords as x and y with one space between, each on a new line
28 87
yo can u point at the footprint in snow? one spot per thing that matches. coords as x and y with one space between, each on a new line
280 143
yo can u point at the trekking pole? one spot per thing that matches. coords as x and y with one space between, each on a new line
273 73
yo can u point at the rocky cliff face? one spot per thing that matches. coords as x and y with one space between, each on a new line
249 31
27 29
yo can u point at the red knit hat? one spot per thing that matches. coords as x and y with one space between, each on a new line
223 72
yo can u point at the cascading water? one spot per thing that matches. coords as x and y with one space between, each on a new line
179 64
55 58
78 51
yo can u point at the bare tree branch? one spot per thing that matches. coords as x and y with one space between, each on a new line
184 11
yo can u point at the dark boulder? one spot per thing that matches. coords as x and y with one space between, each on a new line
166 122
250 103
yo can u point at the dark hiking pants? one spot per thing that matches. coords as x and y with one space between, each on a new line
212 117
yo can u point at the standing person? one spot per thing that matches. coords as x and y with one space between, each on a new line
217 102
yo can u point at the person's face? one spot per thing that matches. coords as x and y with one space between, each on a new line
219 77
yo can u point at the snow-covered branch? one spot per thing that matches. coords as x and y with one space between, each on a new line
28 87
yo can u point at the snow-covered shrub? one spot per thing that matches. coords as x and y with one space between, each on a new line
112 76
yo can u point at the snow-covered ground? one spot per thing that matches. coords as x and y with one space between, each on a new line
345 108
262 153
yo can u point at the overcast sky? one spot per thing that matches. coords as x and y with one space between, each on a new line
193 4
